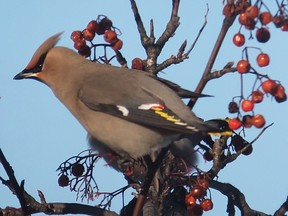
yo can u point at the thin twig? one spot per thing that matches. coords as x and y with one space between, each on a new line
14 183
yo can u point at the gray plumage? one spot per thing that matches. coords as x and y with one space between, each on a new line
117 106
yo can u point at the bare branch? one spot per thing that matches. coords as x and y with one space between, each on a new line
235 198
14 184
228 21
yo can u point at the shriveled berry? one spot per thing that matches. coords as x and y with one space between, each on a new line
85 51
63 180
233 107
257 96
247 121
77 169
279 93
262 35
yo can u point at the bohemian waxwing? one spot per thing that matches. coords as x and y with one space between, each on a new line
129 111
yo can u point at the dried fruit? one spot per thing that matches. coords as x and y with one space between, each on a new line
77 169
63 180
257 96
262 35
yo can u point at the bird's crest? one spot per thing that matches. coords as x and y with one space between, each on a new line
43 49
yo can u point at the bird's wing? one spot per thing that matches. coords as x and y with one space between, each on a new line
129 101
183 93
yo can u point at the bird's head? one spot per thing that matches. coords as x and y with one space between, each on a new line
40 63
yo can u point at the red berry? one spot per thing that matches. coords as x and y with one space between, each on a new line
257 96
63 181
137 64
262 35
79 44
206 204
239 39
77 169
243 66
265 17
203 183
263 59
197 191
235 123
247 105
76 35
258 121
110 36
252 12
279 93
117 45
190 200
269 86
284 27
92 26
242 19
88 35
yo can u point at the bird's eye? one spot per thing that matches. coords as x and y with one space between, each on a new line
40 62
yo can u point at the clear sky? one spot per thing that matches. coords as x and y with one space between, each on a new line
38 133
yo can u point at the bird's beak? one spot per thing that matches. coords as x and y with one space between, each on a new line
24 75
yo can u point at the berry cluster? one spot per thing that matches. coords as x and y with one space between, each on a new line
196 199
249 16
76 172
101 26
267 86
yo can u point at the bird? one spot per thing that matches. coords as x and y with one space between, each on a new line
130 112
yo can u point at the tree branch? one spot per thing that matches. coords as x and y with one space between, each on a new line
228 21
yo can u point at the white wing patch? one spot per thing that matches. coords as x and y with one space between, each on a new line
124 110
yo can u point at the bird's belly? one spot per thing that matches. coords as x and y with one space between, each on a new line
125 137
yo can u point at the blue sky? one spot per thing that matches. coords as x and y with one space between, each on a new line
38 133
